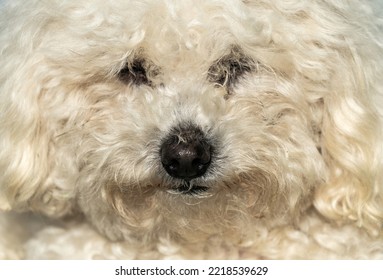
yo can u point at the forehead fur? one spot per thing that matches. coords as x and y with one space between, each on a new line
163 28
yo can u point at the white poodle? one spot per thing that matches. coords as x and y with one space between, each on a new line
191 129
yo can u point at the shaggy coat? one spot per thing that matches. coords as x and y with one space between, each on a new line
191 129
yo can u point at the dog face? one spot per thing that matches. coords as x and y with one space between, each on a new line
189 119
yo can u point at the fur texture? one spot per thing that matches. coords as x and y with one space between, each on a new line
283 99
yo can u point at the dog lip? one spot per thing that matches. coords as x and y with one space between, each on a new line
187 189
193 190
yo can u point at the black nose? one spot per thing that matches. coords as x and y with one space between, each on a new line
186 154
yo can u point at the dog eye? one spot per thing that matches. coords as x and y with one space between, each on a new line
134 73
228 69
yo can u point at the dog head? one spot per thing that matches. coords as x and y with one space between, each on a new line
152 116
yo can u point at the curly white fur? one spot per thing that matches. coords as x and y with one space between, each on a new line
288 94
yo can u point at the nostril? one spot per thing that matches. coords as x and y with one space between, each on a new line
199 163
173 165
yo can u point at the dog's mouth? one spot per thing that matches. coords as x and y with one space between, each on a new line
187 188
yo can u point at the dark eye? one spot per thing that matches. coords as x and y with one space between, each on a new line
134 73
228 69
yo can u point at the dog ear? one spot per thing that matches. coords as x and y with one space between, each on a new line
352 143
26 146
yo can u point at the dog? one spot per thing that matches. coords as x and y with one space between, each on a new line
237 129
